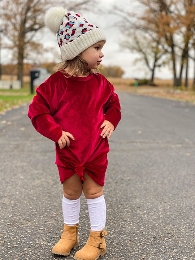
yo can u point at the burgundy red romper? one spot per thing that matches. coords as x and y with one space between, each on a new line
77 105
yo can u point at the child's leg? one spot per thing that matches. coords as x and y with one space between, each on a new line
96 204
97 213
96 245
72 189
71 211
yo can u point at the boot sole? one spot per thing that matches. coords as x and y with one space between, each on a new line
102 254
62 254
66 253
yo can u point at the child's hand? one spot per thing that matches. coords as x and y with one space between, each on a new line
64 139
108 129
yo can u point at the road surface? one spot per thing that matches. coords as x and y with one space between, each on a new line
150 186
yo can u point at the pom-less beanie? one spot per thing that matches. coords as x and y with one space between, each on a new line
74 33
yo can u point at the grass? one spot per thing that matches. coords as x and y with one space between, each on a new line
164 89
13 98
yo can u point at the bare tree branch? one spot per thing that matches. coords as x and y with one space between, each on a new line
22 19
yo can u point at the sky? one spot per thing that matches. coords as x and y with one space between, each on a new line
114 54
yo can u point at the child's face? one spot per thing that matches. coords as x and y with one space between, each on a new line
93 55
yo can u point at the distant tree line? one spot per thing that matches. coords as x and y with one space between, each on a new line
107 71
11 69
111 71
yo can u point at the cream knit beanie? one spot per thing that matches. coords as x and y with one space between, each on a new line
74 33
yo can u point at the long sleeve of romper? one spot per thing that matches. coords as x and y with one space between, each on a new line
112 108
40 112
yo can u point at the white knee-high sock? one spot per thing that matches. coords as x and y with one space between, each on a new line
97 213
71 211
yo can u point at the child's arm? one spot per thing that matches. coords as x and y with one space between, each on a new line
46 126
112 109
40 113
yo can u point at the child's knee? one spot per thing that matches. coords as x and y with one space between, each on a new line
92 192
72 194
91 189
72 188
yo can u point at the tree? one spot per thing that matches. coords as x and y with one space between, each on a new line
140 37
158 13
22 19
148 49
175 21
170 25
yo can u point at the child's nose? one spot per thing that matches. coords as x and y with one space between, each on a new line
101 55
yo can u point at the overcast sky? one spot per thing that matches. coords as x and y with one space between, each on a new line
113 53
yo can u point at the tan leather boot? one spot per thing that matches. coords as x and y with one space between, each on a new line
69 240
94 248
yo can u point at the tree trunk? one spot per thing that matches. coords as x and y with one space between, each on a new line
184 61
193 85
181 69
186 76
176 81
21 48
151 83
20 68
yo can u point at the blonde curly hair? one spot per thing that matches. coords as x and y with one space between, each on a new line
76 67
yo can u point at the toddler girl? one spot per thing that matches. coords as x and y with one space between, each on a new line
78 110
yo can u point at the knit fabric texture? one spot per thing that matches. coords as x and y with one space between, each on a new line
75 34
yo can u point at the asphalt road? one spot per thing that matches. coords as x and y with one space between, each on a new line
150 187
